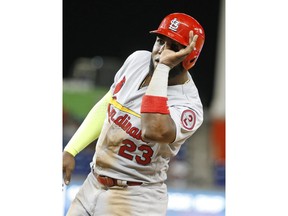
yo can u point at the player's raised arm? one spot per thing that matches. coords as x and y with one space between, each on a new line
156 122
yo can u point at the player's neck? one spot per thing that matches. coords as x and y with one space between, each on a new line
146 81
176 80
179 79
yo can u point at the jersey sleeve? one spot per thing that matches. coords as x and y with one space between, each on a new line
187 121
119 78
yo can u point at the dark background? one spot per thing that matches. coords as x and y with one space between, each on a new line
118 28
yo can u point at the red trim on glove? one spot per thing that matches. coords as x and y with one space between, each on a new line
154 104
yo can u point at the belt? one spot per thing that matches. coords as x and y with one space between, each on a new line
110 182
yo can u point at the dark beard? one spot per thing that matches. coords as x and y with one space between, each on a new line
173 72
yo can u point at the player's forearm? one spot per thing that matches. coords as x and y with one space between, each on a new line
156 123
158 128
90 128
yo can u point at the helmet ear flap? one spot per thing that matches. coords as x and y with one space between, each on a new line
190 60
188 63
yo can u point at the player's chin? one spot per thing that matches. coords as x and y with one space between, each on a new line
154 61
152 65
155 64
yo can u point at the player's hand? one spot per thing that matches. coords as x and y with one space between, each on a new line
172 58
68 166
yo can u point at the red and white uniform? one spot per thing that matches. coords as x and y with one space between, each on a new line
120 151
122 154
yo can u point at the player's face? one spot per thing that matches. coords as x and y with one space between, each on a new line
156 52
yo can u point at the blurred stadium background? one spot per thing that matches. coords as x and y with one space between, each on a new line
97 38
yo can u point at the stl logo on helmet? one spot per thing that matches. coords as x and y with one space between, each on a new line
174 24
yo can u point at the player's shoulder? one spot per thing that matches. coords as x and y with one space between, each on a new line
140 54
185 91
185 95
139 58
135 63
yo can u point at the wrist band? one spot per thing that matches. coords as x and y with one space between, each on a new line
159 81
154 104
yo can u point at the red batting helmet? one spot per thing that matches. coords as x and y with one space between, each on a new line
177 27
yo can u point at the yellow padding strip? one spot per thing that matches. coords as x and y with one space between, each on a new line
122 108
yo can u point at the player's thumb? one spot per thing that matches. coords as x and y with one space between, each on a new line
68 166
67 177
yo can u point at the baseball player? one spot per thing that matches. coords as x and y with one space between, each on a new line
152 107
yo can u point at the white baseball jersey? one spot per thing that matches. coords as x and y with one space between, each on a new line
120 151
